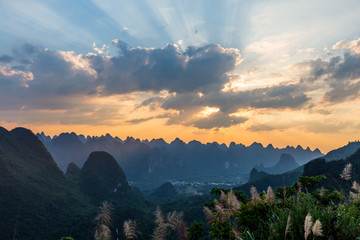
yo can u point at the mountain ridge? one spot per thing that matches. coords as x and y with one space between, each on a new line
155 161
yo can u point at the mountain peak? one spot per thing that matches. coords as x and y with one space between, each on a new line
256 145
286 163
72 169
101 176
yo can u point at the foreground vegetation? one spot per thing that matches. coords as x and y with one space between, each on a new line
300 211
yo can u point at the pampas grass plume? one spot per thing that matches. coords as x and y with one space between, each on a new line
307 225
317 228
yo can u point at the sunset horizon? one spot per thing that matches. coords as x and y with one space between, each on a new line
232 72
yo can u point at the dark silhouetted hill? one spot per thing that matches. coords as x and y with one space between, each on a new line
262 180
101 176
165 192
35 193
72 169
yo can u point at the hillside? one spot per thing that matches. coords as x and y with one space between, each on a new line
39 202
332 171
35 195
342 152
101 176
262 180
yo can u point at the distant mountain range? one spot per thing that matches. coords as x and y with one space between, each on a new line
159 161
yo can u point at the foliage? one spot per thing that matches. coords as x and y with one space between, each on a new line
196 231
299 212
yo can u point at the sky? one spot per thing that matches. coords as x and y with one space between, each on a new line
274 71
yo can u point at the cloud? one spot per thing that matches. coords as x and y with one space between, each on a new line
276 97
188 105
217 120
60 82
339 75
353 45
5 58
180 82
260 128
141 120
154 69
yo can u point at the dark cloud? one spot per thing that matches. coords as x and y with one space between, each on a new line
218 120
145 69
5 59
340 74
277 97
287 96
260 128
141 120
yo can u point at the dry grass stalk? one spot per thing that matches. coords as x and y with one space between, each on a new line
225 208
346 173
317 228
103 231
232 203
173 220
130 229
209 215
270 196
307 225
237 234
288 225
355 196
322 192
255 198
160 229
356 187
223 198
182 231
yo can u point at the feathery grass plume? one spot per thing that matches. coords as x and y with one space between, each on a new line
322 192
130 229
356 187
288 225
173 219
254 195
232 202
237 234
307 225
221 212
270 196
317 228
353 196
103 231
223 198
182 231
160 229
346 173
209 215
